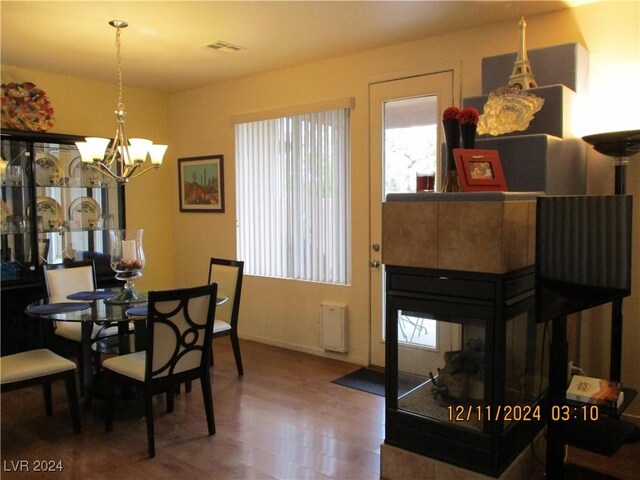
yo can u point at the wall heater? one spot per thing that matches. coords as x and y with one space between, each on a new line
333 327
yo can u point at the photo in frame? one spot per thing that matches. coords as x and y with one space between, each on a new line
479 170
201 183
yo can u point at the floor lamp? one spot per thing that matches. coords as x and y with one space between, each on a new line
620 146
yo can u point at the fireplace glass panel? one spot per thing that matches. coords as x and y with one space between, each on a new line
432 383
526 365
447 383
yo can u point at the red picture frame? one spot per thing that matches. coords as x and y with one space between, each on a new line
479 170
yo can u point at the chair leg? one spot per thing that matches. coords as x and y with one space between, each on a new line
108 399
235 343
81 367
148 407
48 404
170 398
207 396
187 386
72 396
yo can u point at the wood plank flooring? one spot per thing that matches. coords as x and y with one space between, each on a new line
283 419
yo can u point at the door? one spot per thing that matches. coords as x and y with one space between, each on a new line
405 139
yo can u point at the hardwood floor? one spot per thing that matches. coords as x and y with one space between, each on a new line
283 419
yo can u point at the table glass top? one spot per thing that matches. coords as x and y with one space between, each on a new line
99 309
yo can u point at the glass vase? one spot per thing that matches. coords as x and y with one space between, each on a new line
451 129
127 260
468 135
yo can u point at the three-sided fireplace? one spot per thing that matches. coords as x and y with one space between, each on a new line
476 399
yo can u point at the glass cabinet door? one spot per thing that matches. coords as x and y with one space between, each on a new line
16 248
54 207
76 205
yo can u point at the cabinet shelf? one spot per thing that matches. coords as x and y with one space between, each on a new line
79 186
67 219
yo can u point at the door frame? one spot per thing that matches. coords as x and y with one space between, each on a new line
455 67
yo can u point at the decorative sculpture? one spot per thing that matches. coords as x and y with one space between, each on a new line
510 108
521 76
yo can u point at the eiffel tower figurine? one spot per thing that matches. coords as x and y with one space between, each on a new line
521 76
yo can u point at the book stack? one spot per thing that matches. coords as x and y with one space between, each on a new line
595 391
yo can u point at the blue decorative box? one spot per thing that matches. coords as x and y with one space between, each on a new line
541 163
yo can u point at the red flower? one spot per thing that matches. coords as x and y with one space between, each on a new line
451 113
468 115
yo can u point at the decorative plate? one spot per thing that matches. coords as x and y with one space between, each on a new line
85 212
50 211
5 211
48 170
26 107
84 175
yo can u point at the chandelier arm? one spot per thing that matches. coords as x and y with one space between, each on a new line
124 141
102 168
129 170
145 170
111 156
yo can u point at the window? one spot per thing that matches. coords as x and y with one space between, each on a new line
292 179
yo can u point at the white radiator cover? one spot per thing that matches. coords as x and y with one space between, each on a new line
333 327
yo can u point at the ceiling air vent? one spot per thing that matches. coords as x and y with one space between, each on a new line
225 47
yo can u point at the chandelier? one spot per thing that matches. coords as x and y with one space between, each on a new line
128 155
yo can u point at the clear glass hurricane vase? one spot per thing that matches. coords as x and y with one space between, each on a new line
127 260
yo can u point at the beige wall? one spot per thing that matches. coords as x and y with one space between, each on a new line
197 122
287 313
85 107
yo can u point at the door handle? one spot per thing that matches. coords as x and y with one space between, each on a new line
375 263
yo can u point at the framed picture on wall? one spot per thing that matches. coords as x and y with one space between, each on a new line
479 170
201 183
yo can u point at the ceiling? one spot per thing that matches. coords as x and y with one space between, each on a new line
164 47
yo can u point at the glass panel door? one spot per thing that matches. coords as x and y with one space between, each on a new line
405 139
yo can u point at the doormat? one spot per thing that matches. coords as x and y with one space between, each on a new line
372 381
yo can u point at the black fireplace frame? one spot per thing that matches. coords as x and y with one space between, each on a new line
492 298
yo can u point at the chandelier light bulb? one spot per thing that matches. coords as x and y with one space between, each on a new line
156 153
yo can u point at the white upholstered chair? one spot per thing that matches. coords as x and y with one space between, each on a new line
228 275
62 279
41 366
178 349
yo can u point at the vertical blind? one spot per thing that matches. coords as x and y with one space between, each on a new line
292 177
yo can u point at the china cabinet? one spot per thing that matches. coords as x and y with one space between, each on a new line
54 209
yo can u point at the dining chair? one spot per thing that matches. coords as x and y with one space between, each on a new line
228 275
41 367
62 279
178 349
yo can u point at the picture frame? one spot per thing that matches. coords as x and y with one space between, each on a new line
479 170
201 184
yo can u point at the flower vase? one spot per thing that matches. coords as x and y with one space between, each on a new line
452 138
468 134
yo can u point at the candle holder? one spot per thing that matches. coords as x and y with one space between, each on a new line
127 260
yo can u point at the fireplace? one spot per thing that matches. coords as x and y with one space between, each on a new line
475 398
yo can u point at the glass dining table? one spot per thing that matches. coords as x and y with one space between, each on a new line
94 308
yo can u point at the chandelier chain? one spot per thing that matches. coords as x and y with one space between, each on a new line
119 61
